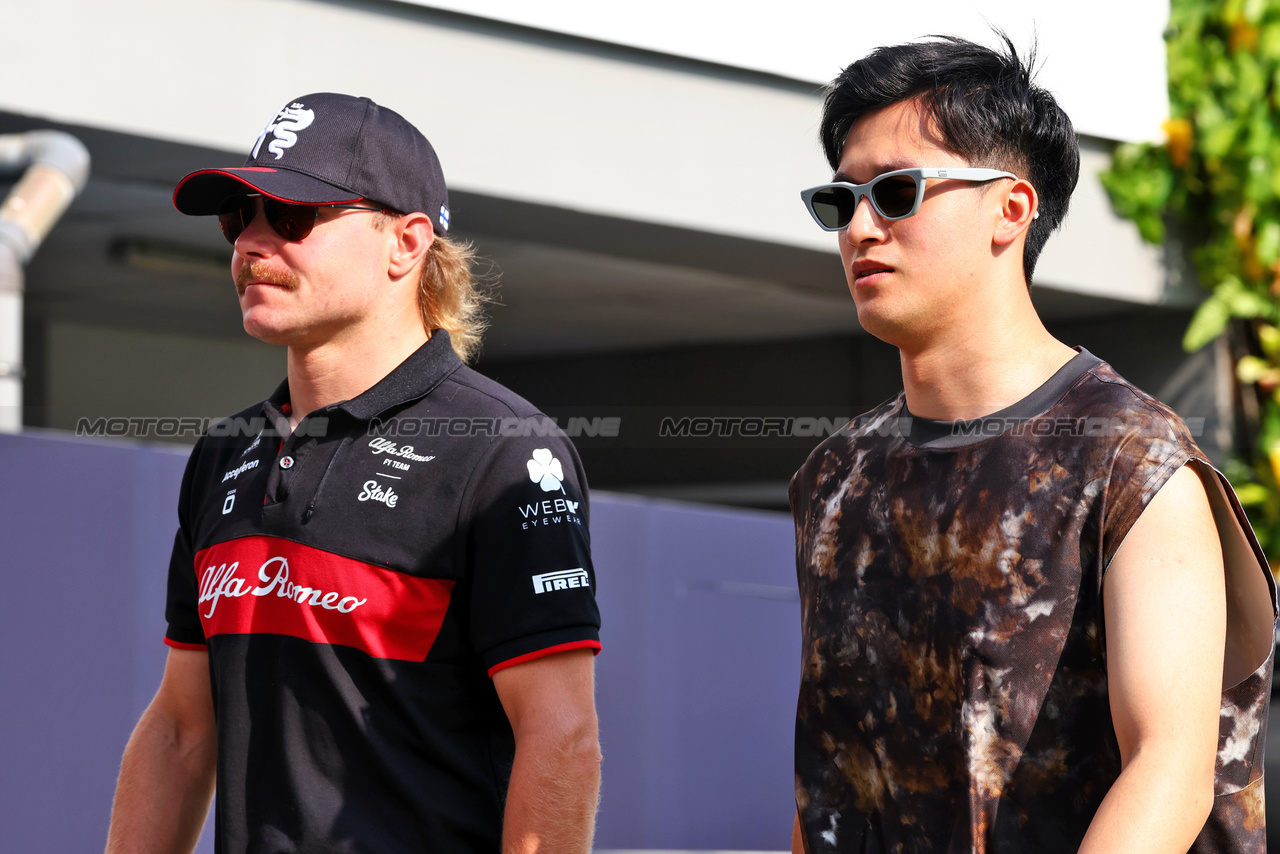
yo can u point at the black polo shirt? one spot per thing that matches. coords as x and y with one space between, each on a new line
356 583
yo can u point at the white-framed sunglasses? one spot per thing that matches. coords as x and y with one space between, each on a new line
894 195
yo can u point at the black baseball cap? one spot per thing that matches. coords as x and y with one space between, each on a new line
327 148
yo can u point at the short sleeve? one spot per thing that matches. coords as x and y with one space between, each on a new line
182 602
1143 462
529 550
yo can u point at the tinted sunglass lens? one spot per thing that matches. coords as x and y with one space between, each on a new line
833 206
235 216
292 222
896 196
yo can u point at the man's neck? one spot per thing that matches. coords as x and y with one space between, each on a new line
961 375
337 371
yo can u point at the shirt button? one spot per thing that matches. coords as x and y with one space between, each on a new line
286 462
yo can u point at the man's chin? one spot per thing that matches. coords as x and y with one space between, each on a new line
265 332
882 324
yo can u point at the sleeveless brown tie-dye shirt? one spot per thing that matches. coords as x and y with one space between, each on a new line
954 690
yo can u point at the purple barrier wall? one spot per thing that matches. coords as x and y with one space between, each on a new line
698 676
697 681
85 528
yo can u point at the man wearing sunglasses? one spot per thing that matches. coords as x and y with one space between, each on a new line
1034 617
381 611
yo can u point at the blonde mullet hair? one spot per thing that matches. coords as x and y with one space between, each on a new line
450 294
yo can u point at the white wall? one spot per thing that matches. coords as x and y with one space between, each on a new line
515 115
1104 60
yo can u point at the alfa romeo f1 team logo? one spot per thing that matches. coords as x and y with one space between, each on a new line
545 470
292 118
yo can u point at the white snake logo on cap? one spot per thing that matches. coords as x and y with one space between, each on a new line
292 118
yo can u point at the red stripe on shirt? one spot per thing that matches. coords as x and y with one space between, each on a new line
266 585
543 653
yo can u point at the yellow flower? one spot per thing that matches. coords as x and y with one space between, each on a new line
1244 36
1178 132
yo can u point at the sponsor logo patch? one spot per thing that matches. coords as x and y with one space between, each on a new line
239 470
545 470
565 579
272 586
549 512
373 491
283 127
219 581
391 449
257 440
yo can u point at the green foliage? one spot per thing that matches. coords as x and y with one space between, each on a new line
1217 175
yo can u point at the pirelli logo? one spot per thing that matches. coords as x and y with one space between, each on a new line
562 580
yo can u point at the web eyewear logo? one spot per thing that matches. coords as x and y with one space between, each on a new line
565 579
549 512
284 127
545 470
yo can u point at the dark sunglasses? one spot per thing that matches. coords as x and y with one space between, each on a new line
292 222
894 195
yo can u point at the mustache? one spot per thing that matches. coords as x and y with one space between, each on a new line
258 272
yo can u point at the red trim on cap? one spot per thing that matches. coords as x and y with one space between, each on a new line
194 647
227 172
592 645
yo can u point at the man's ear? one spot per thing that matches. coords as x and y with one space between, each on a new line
1020 205
413 235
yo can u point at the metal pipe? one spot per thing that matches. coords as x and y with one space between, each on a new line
56 169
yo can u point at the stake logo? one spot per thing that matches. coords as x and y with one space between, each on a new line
373 491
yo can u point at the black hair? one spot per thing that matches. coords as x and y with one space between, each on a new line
984 105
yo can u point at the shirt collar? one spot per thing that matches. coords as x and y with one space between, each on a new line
413 378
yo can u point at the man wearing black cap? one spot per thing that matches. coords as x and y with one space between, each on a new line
381 611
